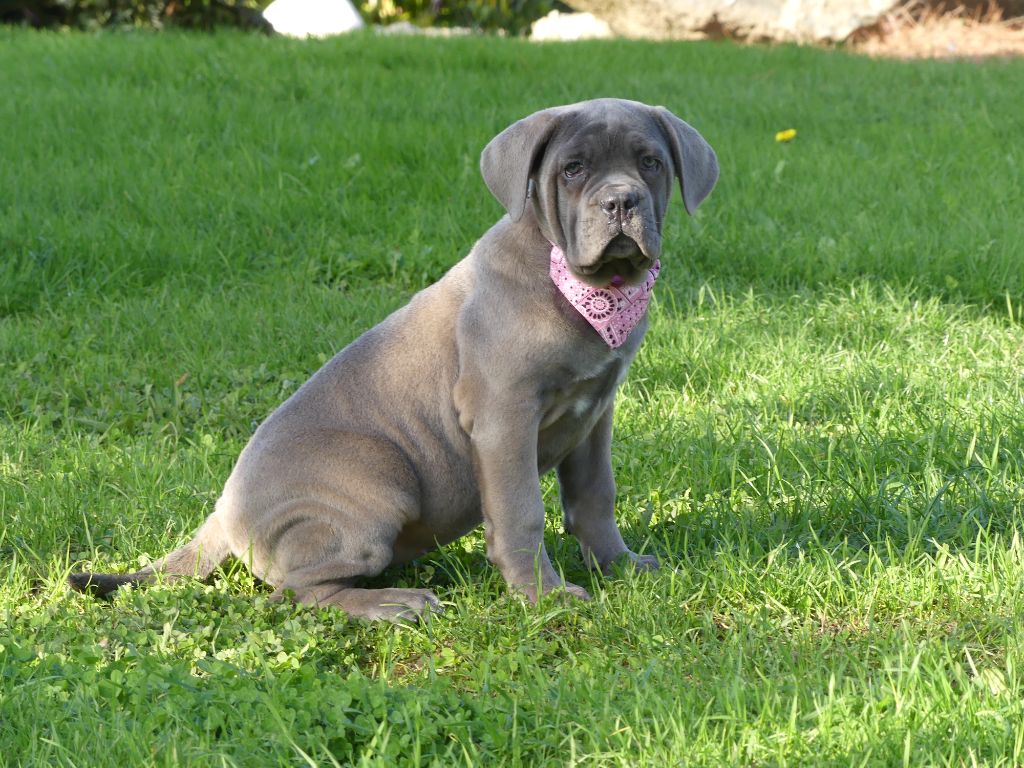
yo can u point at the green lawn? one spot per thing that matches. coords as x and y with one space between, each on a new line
822 437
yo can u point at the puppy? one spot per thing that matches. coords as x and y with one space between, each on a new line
445 414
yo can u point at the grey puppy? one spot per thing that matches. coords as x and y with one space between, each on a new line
446 413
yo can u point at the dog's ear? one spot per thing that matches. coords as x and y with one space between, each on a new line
695 160
511 157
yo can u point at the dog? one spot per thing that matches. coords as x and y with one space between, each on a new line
447 413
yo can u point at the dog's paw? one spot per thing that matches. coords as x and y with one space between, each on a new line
631 561
562 590
572 590
645 562
399 606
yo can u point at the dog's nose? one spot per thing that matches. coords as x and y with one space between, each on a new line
619 202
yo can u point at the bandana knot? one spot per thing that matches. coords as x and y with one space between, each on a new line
613 310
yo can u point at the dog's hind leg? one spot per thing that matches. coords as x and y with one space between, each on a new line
208 548
390 603
354 554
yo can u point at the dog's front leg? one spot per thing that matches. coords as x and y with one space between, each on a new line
588 500
505 457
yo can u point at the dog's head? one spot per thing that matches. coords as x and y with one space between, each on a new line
599 176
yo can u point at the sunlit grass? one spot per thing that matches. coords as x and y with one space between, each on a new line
822 437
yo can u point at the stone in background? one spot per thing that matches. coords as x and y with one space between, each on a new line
312 18
570 26
802 21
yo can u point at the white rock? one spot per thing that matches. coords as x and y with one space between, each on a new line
312 18
569 26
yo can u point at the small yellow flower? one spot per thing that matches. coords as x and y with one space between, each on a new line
787 135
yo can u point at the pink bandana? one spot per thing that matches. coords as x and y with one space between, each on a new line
614 310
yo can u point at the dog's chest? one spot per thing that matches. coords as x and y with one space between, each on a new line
572 408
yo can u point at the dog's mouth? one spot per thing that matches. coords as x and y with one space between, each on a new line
622 262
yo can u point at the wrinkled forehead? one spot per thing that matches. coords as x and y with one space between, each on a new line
607 132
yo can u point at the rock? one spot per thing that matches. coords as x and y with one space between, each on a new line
801 21
569 26
784 20
312 18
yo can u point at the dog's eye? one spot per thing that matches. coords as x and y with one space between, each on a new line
573 169
650 163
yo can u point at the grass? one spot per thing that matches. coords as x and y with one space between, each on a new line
822 437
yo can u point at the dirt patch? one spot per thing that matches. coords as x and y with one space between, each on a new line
916 31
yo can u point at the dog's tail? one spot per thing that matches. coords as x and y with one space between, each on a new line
198 558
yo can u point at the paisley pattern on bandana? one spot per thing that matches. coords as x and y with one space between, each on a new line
612 312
